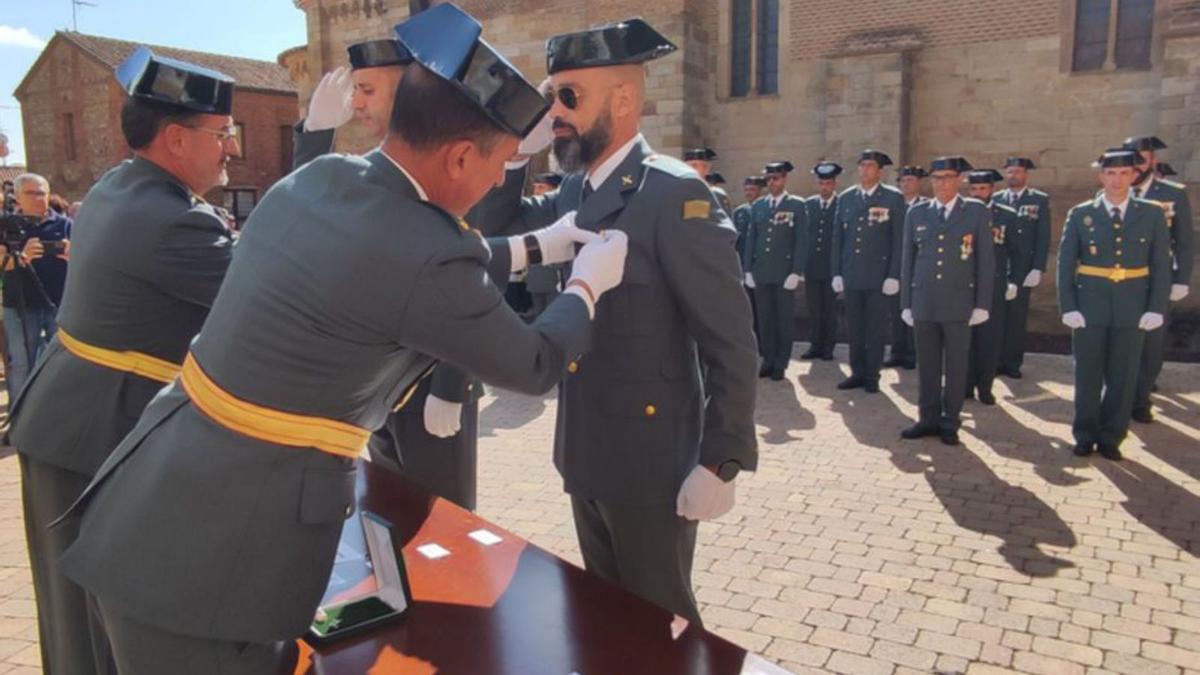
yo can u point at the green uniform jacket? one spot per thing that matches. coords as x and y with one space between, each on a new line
147 259
867 235
777 242
1090 238
1174 198
949 268
1032 235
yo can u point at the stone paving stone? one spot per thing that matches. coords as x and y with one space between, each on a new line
852 551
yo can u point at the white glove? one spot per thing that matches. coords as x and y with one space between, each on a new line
542 135
749 280
330 105
1178 292
978 316
1151 321
838 285
442 418
792 282
891 287
704 496
601 264
907 317
1010 293
1033 279
1074 320
558 241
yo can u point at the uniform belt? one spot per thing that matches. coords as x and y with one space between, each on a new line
137 363
1114 274
265 424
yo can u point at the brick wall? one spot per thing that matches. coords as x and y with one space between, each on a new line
916 79
69 81
264 152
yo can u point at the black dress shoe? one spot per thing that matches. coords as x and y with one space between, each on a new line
949 437
1014 374
987 398
827 357
777 375
1110 452
764 371
850 383
970 395
1084 449
871 387
918 430
1143 415
910 365
893 363
810 355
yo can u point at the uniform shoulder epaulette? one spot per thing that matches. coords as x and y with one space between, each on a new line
669 165
761 200
972 200
847 191
1082 205
1171 183
1038 193
1004 207
1156 202
891 188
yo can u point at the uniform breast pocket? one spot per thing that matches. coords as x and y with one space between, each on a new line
629 309
326 495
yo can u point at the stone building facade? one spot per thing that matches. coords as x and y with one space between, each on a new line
71 110
804 80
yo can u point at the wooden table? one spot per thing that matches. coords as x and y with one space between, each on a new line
512 608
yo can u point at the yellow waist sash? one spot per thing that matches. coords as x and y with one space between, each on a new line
1114 274
147 366
265 424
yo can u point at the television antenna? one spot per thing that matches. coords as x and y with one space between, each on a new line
75 5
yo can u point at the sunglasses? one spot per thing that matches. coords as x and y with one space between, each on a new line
567 96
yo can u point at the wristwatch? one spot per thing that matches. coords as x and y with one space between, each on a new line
533 250
728 470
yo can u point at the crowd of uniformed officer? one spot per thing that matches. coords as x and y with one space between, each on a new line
192 531
958 304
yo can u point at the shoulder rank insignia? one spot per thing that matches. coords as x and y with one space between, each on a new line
696 209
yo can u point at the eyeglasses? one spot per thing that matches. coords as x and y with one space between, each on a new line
567 96
224 134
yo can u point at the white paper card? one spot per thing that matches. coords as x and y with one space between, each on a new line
432 551
484 537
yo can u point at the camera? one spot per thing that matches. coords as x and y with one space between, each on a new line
10 197
14 229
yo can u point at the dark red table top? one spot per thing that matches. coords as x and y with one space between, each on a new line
511 608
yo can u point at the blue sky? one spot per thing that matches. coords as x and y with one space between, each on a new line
258 29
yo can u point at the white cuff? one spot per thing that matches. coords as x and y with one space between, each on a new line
579 293
516 251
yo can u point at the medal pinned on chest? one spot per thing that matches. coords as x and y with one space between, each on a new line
998 233
1029 211
878 214
968 246
784 218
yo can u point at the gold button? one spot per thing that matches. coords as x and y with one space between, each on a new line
1118 240
858 250
1118 265
1118 253
941 236
939 275
573 367
348 510
940 263
941 250
651 411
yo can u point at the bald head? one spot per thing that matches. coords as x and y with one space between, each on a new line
595 111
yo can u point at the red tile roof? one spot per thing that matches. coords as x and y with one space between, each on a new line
248 73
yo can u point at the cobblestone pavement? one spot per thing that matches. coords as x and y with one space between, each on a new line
851 551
